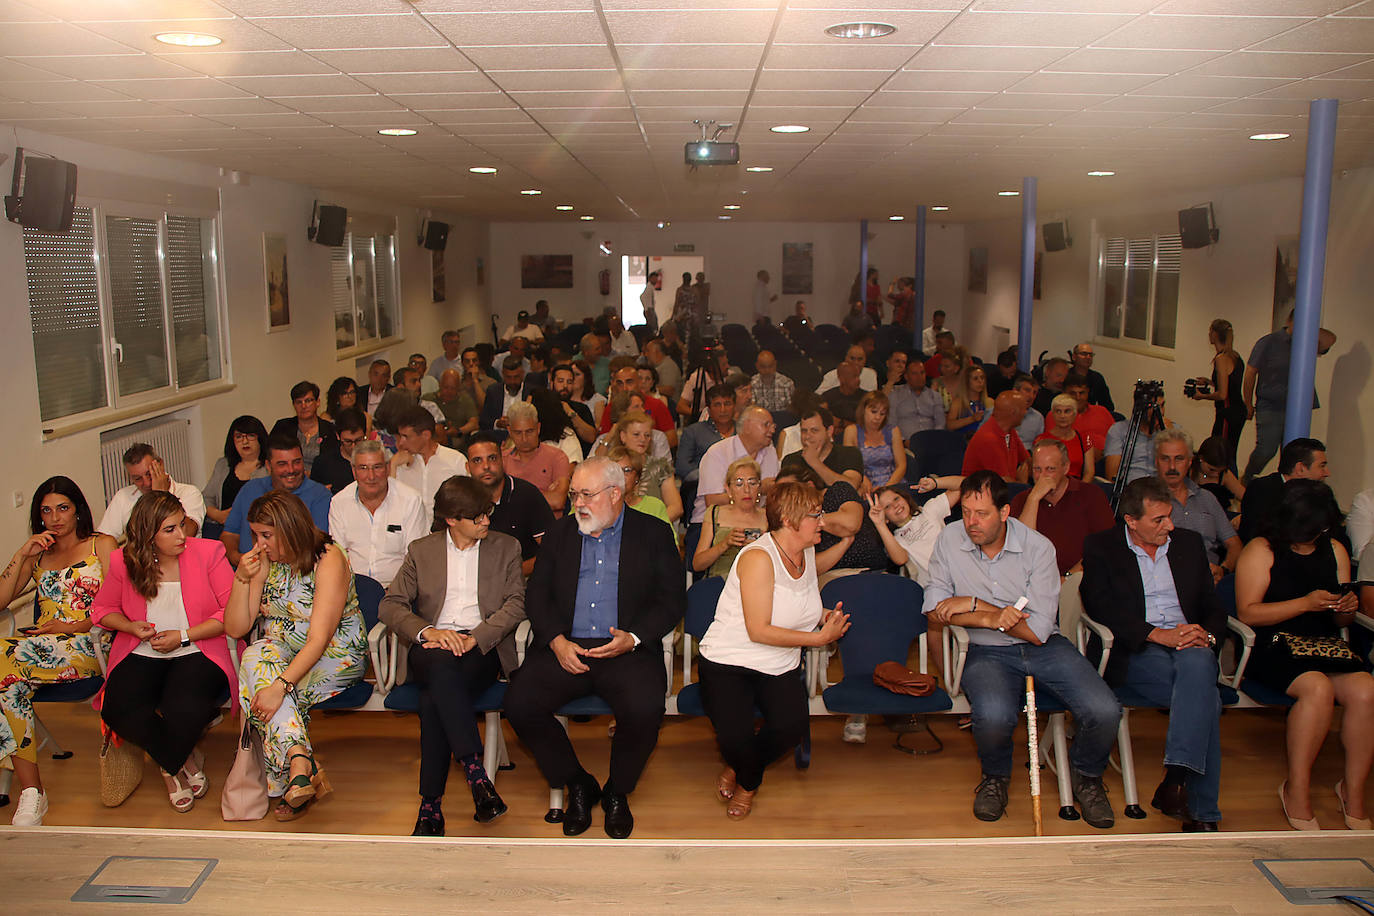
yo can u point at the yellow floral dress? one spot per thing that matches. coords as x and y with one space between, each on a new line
287 599
29 662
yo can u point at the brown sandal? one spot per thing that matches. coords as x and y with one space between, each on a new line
726 785
741 804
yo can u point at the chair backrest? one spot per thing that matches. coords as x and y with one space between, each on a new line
370 593
885 617
1070 607
939 451
702 598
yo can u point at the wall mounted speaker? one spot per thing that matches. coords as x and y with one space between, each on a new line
436 235
48 194
1056 236
331 227
1196 227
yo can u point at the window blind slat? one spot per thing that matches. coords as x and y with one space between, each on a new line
135 277
194 299
341 295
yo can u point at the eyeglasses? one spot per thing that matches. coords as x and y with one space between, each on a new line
245 437
481 513
818 514
586 495
746 481
628 469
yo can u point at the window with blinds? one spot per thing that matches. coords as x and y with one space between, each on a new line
1138 283
146 321
363 290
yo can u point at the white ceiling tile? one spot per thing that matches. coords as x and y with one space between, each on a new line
252 8
830 98
913 28
238 34
394 60
111 66
391 83
306 84
1276 64
1042 101
1100 83
263 121
1030 29
690 26
554 57
569 99
117 108
406 30
14 70
214 107
456 118
934 115
1218 86
1220 33
689 79
14 11
837 57
550 116
1007 116
690 56
375 118
550 80
1106 118
248 63
1162 62
1360 9
888 98
1353 35
670 98
1253 7
1065 6
85 10
462 101
1267 106
312 104
1322 88
683 115
54 38
57 91
470 30
1158 103
952 80
977 57
202 87
867 80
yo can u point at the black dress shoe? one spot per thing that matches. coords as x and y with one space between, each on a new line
429 825
620 823
487 804
1171 800
1192 826
577 808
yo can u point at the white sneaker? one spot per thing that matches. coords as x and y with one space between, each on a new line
31 808
856 730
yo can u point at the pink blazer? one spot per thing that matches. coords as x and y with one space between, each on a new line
206 579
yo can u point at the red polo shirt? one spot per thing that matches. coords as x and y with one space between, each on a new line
990 449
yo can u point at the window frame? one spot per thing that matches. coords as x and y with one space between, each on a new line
121 407
365 347
1145 347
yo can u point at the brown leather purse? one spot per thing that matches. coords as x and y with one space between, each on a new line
898 678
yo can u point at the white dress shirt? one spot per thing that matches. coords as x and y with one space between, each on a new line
376 542
424 477
460 610
121 506
868 380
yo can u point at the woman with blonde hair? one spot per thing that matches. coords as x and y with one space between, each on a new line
969 403
635 431
880 445
169 668
726 529
632 465
1228 372
1082 456
313 643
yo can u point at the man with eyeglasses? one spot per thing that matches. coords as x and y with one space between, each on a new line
334 467
1098 392
519 509
754 438
606 589
374 519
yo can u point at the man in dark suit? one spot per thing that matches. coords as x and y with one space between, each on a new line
607 587
460 637
1151 585
1301 459
512 387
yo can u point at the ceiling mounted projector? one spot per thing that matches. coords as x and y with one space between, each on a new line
711 152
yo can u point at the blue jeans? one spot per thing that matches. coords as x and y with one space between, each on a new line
1268 440
995 681
1185 682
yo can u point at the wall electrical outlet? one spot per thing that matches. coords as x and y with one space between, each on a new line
17 499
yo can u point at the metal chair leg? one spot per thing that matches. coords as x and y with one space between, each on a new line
46 737
1130 789
1060 740
919 724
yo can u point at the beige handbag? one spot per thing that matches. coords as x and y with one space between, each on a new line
245 788
121 768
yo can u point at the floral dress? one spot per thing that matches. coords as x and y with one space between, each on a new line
28 662
287 598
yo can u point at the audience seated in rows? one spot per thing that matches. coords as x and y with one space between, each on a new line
829 461
995 446
540 463
450 358
1032 425
728 527
634 430
857 357
1195 509
969 403
458 412
378 383
148 472
314 433
374 519
342 394
1300 459
843 400
420 461
881 445
908 531
519 509
1141 460
1211 473
1082 364
512 388
631 464
1082 456
333 468
699 437
563 382
770 389
244 458
1062 508
754 439
1054 372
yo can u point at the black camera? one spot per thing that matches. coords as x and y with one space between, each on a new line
1194 387
1147 393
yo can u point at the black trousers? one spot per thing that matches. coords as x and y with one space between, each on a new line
731 695
448 723
163 704
633 685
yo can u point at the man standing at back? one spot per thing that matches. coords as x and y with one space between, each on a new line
763 299
997 578
1265 389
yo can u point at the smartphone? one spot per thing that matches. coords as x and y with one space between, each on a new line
1346 588
28 631
752 534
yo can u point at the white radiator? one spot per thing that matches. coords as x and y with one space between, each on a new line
170 436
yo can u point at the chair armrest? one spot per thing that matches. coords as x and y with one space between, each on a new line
1363 621
669 644
9 618
381 647
956 654
98 648
524 631
1247 641
1086 624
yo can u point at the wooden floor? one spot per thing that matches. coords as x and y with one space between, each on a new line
851 792
41 868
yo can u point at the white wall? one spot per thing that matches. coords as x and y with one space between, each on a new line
262 366
734 253
1233 279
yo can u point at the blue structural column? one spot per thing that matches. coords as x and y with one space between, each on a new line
1316 209
918 306
863 264
1023 322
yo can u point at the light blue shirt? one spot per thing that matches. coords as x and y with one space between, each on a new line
915 411
315 496
1162 609
1141 461
1025 565
596 607
1031 426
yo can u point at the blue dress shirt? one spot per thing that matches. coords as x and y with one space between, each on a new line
596 608
315 496
1162 609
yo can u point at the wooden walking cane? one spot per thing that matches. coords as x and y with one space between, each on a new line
1033 734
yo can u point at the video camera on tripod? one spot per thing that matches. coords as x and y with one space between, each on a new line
1148 393
1145 410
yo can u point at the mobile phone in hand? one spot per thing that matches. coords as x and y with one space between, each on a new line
28 631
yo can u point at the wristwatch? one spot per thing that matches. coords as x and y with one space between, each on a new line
290 687
1211 641
185 639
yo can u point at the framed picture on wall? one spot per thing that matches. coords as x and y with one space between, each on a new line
796 268
275 281
1285 279
440 291
546 271
978 270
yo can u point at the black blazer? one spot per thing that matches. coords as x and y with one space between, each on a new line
652 595
1114 596
290 426
494 399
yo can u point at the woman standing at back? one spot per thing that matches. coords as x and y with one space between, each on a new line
1228 370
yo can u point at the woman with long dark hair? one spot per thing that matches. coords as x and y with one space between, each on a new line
1289 588
66 560
244 458
554 425
342 394
164 598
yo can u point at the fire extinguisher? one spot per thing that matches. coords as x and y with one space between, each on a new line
604 282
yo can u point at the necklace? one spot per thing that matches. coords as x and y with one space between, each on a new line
795 565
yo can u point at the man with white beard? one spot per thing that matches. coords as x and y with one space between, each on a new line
607 587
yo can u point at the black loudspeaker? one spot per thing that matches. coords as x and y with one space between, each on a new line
1056 236
48 196
436 235
1195 227
333 225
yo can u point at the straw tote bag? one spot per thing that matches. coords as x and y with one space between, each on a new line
121 768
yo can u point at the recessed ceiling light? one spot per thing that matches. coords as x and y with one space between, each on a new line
1008 193
397 132
563 207
532 192
860 30
759 168
724 216
939 209
188 39
1278 135
482 170
730 207
896 219
789 129
664 224
1101 173
586 217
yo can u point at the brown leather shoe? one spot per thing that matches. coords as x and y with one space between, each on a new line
726 784
1171 800
741 804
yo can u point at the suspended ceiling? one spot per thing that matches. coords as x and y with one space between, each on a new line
591 101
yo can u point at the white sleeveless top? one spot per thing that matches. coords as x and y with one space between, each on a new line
796 606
